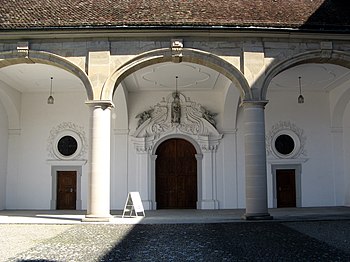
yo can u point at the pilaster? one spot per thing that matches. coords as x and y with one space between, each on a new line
208 198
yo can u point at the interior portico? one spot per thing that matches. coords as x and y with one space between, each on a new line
115 101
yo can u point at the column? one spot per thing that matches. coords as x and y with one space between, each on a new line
255 161
98 206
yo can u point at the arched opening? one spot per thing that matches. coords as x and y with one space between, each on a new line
24 91
311 127
314 57
149 89
49 59
176 175
196 57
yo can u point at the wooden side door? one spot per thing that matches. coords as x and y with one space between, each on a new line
176 175
285 183
66 189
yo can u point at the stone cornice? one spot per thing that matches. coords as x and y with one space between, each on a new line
69 33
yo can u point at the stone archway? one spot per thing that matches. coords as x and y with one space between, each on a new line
320 56
188 55
18 110
337 96
31 56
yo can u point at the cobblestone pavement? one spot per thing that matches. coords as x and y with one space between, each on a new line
240 241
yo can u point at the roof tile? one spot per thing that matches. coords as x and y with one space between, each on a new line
301 14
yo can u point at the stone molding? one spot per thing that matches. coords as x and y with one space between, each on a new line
67 128
288 128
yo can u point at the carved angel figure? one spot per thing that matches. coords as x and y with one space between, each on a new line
209 116
144 116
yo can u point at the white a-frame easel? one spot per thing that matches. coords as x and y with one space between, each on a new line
134 205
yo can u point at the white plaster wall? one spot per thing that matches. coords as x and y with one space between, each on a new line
227 176
12 167
346 147
339 102
119 170
317 183
227 172
3 155
119 150
33 187
240 159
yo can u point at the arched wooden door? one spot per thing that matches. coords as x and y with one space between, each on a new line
176 175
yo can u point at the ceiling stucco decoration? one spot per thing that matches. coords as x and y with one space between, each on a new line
67 129
158 76
196 122
291 130
162 77
315 77
28 78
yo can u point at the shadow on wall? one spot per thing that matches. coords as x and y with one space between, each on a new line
331 15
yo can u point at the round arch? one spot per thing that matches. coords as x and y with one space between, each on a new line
319 56
180 136
188 55
15 57
168 192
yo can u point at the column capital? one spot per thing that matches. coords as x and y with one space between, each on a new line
100 103
254 103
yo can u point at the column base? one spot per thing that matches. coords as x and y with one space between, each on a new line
92 218
259 216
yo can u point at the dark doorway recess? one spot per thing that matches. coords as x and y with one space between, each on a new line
176 175
285 182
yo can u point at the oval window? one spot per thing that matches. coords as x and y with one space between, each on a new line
284 144
67 145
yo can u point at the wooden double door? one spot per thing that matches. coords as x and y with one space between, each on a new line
176 175
66 190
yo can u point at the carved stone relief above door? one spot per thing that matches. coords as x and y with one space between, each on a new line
195 121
